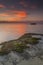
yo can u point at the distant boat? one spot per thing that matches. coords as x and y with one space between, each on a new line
33 23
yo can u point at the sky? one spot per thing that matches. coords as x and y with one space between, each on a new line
21 10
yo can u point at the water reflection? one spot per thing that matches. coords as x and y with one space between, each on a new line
12 31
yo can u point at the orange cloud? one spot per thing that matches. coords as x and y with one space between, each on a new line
21 14
4 14
13 15
17 13
13 19
2 6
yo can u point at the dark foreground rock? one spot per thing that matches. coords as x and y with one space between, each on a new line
24 48
18 45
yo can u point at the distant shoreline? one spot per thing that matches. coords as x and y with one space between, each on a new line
20 23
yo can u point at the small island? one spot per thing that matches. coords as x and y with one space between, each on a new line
33 23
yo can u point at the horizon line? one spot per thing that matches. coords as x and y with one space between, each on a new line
20 23
16 22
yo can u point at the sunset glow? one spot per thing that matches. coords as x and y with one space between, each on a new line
23 10
13 16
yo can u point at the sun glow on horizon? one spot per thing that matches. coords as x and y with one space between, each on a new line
13 16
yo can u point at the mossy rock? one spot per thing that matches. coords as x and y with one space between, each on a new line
19 47
33 40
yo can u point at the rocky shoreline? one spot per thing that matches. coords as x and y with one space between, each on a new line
26 47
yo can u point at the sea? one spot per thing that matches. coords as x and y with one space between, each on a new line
14 31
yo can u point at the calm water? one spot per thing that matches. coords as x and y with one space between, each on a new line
13 31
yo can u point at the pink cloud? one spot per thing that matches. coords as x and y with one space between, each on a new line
2 6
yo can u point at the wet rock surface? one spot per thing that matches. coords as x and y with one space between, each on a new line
30 52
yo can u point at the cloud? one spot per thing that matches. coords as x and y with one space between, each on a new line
4 14
2 6
12 15
21 14
17 13
23 4
33 7
12 6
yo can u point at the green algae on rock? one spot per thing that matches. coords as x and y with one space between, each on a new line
18 45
